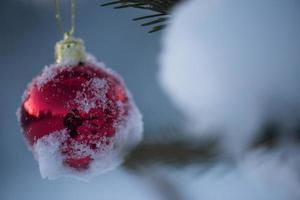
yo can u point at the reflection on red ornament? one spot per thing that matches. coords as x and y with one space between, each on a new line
85 100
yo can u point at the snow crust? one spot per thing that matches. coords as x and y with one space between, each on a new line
99 88
261 175
231 66
128 134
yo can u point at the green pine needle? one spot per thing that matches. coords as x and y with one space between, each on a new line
162 9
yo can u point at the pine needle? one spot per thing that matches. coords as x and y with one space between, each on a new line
162 8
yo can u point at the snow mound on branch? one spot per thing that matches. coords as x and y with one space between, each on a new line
232 66
260 175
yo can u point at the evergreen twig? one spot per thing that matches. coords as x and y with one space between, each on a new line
162 9
174 154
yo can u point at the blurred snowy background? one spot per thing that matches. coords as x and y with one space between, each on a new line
227 66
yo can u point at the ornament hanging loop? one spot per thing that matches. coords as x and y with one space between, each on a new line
59 18
70 50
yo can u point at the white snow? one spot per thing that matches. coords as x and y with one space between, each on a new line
232 65
48 153
49 72
128 133
98 87
260 176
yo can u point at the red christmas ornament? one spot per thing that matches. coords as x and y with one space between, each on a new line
77 115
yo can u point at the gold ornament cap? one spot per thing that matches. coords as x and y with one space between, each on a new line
70 50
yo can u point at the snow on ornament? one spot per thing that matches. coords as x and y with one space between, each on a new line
77 115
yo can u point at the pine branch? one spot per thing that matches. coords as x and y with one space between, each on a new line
173 154
162 8
178 151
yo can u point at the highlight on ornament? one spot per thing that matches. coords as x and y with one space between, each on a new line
78 117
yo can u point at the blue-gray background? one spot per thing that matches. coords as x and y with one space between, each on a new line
28 33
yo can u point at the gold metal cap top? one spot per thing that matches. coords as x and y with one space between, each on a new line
70 50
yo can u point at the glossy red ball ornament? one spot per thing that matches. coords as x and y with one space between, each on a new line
78 114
